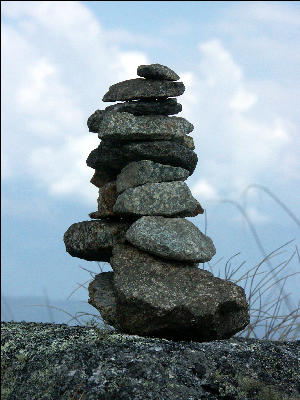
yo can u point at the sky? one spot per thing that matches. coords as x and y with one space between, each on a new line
240 63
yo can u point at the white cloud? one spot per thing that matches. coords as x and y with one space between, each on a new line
56 60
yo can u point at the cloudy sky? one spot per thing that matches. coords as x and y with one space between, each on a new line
240 63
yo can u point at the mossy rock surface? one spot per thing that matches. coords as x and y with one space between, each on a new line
56 361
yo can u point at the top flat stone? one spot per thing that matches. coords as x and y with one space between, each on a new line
139 88
157 71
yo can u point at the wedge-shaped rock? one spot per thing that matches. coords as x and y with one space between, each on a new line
139 88
102 297
106 200
112 157
102 177
165 198
172 300
140 172
127 127
171 238
93 240
157 71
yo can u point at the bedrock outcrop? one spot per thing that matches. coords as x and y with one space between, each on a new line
51 361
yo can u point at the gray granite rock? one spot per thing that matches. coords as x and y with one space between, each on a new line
151 107
140 88
157 71
101 296
145 171
157 298
54 361
112 157
94 121
171 238
122 126
164 198
102 177
93 240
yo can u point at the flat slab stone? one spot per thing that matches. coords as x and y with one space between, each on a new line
123 126
93 240
145 171
139 107
140 88
157 71
171 238
157 298
164 198
112 157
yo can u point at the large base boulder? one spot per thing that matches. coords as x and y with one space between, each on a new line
174 300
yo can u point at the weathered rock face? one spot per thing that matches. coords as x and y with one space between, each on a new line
122 126
107 199
175 301
139 88
140 172
157 71
93 240
102 364
165 198
113 157
174 239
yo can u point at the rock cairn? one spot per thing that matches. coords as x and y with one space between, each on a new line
144 157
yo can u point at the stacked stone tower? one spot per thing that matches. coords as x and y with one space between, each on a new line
156 288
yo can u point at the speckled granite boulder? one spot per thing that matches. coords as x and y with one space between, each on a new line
57 361
123 126
139 88
171 238
161 298
113 157
157 71
93 240
140 172
165 198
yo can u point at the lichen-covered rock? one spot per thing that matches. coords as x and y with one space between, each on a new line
171 238
140 172
140 88
127 127
93 240
157 71
157 298
112 157
57 361
164 198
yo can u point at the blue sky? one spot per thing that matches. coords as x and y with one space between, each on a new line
240 63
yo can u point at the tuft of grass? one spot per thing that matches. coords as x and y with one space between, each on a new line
263 285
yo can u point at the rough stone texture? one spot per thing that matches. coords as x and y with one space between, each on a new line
140 88
171 238
164 198
53 361
93 240
120 126
150 107
140 107
101 178
198 210
157 71
112 157
101 296
106 200
140 172
156 298
94 121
